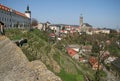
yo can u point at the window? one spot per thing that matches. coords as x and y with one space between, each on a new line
2 18
10 20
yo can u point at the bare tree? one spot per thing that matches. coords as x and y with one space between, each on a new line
100 53
34 22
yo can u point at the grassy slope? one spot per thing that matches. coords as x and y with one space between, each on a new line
39 48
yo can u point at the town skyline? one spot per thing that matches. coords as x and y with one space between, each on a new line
103 13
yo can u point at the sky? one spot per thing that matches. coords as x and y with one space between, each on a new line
98 13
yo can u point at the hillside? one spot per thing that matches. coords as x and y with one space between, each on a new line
56 60
14 66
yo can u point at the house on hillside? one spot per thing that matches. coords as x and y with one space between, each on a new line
98 31
104 55
82 60
43 26
74 54
86 48
72 28
110 59
63 31
40 26
74 47
94 63
55 28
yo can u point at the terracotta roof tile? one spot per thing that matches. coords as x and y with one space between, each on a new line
8 9
71 52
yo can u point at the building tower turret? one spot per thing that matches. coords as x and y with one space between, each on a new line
28 12
81 20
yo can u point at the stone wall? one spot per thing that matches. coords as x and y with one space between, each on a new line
14 66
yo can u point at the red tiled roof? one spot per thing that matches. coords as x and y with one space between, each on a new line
94 63
19 13
92 60
52 35
8 9
4 7
62 31
71 52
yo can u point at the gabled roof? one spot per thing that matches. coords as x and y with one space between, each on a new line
93 60
19 13
74 46
71 52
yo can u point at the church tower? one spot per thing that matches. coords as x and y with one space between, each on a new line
28 12
81 20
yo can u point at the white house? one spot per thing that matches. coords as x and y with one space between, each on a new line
110 59
40 26
74 47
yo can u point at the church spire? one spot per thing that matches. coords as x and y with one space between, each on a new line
27 7
28 12
81 20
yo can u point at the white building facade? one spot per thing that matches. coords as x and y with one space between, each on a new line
13 18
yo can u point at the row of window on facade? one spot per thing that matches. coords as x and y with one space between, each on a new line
17 25
9 20
13 19
4 12
7 13
10 15
13 23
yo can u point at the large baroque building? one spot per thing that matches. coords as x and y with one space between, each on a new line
13 18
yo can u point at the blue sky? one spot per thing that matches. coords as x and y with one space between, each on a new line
99 13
